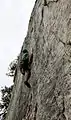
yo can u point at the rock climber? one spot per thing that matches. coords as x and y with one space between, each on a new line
25 65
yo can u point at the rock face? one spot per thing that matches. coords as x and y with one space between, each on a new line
49 34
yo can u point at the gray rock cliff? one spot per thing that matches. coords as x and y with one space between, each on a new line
49 34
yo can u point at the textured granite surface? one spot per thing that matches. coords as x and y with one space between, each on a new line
49 34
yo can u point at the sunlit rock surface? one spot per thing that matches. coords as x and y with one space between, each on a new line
49 34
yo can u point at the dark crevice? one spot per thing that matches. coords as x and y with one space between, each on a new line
58 38
63 105
69 22
42 15
61 41
61 114
69 43
50 2
35 112
32 30
45 3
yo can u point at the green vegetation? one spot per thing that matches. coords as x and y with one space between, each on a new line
12 67
6 96
7 91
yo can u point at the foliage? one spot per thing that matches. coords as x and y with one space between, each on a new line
6 96
12 68
6 92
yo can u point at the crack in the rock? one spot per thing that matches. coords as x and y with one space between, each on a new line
50 2
42 15
59 39
69 43
42 12
62 42
69 22
35 112
63 105
45 3
61 114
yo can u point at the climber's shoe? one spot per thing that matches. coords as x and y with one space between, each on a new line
27 84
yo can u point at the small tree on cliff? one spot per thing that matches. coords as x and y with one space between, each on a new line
6 91
6 96
12 68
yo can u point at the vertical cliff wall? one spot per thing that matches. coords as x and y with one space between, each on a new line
49 34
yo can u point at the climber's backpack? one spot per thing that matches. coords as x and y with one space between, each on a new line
24 59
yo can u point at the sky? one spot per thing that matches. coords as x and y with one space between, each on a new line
14 18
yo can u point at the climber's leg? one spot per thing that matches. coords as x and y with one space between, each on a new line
22 71
28 74
27 78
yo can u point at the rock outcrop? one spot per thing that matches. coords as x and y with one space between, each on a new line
49 34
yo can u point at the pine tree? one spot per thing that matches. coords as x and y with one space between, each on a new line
6 97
